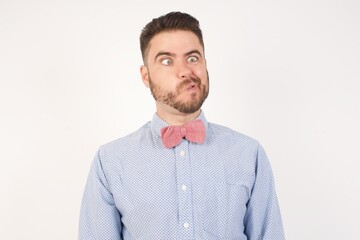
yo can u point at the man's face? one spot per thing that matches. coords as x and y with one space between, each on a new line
176 71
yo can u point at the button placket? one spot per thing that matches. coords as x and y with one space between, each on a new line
183 173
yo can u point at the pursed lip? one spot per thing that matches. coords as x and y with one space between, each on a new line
192 86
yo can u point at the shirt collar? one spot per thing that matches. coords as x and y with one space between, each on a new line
157 123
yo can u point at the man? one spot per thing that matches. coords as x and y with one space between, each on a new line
179 176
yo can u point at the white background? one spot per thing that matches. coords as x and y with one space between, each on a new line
284 72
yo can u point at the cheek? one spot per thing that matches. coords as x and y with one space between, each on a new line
201 73
164 81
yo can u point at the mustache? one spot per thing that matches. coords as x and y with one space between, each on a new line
189 80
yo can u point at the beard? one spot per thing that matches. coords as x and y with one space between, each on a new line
170 98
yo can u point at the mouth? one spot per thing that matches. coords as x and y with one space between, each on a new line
191 86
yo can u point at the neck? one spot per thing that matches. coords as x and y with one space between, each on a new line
174 117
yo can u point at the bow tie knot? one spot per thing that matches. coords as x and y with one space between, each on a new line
193 131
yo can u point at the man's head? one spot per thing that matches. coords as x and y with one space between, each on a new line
169 22
174 63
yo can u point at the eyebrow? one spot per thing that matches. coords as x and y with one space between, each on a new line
170 54
161 53
192 52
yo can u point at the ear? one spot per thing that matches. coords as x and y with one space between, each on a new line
145 75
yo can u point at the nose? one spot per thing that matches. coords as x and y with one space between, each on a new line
183 70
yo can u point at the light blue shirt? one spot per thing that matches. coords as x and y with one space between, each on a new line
221 189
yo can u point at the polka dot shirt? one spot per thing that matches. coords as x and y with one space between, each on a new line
221 189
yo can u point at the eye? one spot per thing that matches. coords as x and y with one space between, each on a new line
166 61
192 59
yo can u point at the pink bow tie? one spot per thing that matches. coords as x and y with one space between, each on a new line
193 131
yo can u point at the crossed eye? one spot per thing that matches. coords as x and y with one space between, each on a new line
192 59
169 61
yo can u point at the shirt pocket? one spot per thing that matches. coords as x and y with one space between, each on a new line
225 208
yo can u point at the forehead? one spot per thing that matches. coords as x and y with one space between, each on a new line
177 42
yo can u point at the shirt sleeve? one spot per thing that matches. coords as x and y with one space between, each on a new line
263 219
99 217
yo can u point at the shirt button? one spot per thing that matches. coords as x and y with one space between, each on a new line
186 225
182 153
183 187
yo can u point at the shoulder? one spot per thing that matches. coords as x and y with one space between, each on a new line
242 154
240 148
124 144
232 137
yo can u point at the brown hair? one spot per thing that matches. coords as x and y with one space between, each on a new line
169 22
